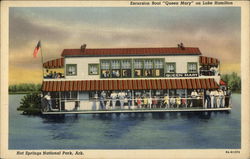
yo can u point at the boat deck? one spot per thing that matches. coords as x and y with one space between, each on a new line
137 111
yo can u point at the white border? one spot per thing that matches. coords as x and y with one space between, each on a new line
169 153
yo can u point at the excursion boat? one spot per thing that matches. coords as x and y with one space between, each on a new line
108 80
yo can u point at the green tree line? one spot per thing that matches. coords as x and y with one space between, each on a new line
24 87
233 81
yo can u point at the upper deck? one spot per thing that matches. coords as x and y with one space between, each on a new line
130 63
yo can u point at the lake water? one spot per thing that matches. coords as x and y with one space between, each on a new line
126 131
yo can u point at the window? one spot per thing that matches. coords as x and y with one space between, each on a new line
159 67
93 69
105 68
192 67
138 68
122 68
170 67
148 68
71 69
115 66
126 68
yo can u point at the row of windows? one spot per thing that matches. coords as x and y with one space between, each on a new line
126 68
123 68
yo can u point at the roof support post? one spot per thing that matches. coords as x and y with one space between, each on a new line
150 97
60 106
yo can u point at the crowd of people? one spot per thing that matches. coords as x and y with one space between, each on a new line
209 71
217 98
52 74
198 98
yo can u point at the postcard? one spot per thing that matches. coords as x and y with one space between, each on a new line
125 79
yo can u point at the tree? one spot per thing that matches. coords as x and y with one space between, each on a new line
30 104
233 81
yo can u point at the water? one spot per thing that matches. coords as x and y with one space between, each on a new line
126 131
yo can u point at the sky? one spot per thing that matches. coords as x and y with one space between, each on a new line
214 30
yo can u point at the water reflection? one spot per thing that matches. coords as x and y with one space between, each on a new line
71 118
185 130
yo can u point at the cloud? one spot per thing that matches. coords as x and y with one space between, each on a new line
216 31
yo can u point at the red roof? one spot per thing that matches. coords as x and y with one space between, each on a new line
223 83
56 63
208 61
143 84
131 51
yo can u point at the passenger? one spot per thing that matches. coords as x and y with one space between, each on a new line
138 101
48 98
117 73
221 97
212 97
54 75
121 96
194 95
102 99
184 101
216 71
145 102
224 97
114 99
207 99
229 93
149 101
172 102
50 74
166 101
154 102
106 74
216 100
108 104
129 97
47 74
178 101
212 70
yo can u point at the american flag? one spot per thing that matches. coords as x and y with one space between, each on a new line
37 49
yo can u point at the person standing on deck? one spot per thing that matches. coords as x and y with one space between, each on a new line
166 101
172 102
221 97
150 102
207 99
113 98
212 98
102 99
154 102
145 101
48 98
129 96
194 94
224 98
217 100
229 93
121 96
178 101
138 101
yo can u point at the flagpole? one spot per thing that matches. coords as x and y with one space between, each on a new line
42 59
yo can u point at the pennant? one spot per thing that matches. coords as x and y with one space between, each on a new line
37 49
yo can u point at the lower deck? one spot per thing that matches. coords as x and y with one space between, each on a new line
197 109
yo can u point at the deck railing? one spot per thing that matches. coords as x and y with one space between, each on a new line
57 104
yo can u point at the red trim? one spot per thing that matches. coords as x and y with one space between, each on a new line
153 84
56 63
223 83
131 51
208 60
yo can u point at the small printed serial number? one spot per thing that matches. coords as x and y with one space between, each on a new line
236 151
